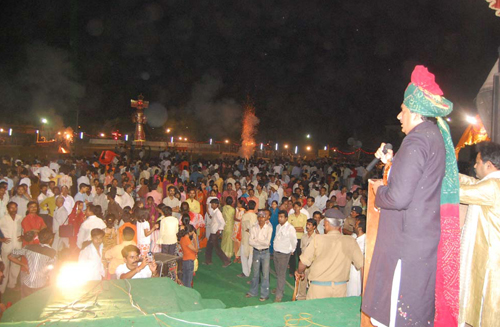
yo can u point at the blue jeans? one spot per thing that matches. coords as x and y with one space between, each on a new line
260 261
187 272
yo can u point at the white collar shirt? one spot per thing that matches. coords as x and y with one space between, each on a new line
3 204
260 238
321 201
102 201
45 174
83 179
91 260
172 202
60 218
54 166
285 240
11 228
69 203
87 226
169 226
217 222
313 209
126 200
123 269
321 226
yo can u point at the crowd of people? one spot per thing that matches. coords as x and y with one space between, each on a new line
114 218
308 216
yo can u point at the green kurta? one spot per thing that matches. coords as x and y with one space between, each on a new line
228 213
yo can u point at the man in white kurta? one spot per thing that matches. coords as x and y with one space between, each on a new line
480 242
4 199
246 251
10 225
126 199
69 202
354 285
90 258
60 218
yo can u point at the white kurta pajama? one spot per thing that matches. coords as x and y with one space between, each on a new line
11 228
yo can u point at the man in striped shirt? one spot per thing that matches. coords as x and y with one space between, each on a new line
40 260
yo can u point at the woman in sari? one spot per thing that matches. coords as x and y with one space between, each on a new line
76 218
195 218
236 234
201 197
228 213
153 210
32 224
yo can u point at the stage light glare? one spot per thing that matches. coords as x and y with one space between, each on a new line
44 121
308 148
226 141
102 135
471 120
286 146
72 275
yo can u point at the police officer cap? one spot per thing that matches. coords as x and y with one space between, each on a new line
334 213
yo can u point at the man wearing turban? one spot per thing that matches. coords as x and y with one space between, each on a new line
413 277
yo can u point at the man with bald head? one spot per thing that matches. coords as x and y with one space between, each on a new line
60 218
329 258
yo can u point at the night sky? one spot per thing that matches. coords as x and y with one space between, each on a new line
334 69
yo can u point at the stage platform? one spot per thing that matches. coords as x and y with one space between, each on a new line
108 304
218 299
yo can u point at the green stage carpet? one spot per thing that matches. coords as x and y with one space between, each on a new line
218 299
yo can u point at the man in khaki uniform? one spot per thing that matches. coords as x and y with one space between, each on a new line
329 257
350 220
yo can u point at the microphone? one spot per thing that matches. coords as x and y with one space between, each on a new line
375 161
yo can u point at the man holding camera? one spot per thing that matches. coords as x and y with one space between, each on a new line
135 266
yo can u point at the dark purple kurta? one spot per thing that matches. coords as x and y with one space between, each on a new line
409 229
